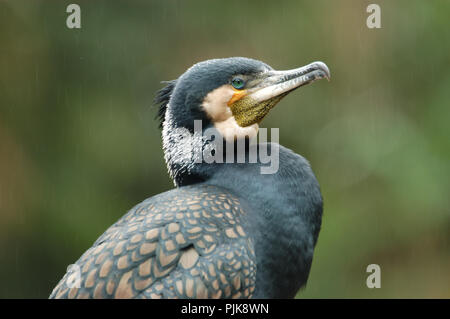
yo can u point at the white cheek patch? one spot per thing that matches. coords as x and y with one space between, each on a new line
231 130
215 105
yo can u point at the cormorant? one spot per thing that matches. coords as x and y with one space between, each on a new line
228 230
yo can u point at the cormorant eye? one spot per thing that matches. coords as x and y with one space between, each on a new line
238 83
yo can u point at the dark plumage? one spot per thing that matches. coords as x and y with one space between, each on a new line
226 230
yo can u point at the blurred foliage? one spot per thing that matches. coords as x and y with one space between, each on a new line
79 144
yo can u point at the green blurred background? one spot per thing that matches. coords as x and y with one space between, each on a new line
79 144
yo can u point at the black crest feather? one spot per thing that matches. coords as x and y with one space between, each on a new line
162 98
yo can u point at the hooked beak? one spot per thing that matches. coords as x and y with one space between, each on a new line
250 106
279 82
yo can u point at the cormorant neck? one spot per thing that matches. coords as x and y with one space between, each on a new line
190 154
183 152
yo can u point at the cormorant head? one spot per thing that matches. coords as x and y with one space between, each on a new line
228 96
232 94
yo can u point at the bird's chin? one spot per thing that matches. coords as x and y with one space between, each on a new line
231 130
